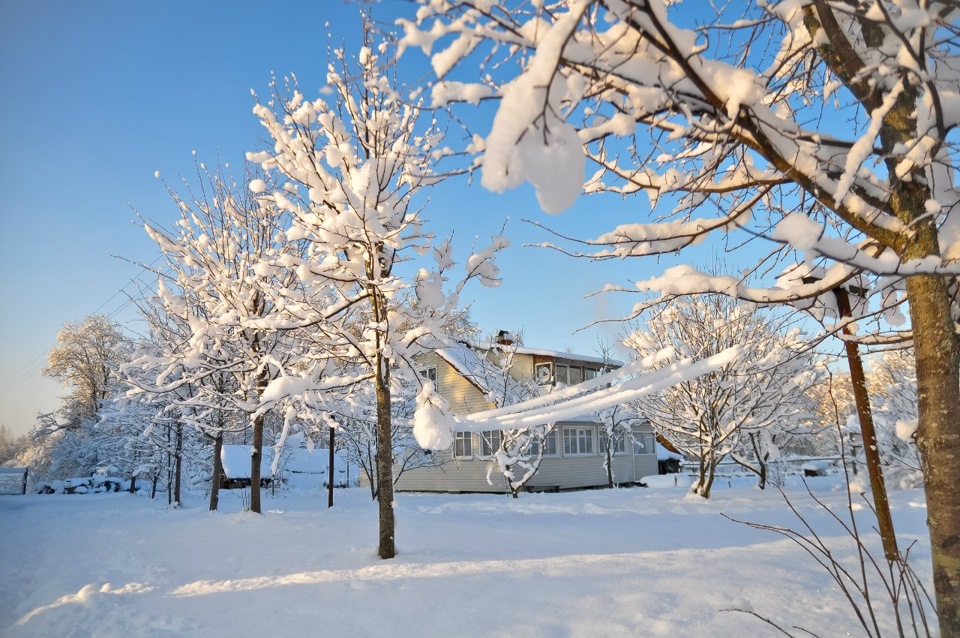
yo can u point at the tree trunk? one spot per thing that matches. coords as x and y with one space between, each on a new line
256 454
609 465
217 472
330 468
169 468
937 351
387 547
871 450
178 465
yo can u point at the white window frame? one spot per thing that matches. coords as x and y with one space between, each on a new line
489 443
430 373
644 443
459 450
582 438
619 443
548 379
551 437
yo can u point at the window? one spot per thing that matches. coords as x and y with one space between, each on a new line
429 373
549 448
463 444
576 375
544 373
489 443
643 444
619 443
590 373
562 374
577 441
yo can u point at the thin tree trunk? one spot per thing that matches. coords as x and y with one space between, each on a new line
387 547
871 450
256 454
330 469
609 465
937 351
169 468
178 465
217 472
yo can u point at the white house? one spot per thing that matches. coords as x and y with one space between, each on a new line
573 452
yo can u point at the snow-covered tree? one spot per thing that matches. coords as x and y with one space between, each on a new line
11 447
616 422
515 453
220 313
827 128
84 359
893 389
746 410
350 167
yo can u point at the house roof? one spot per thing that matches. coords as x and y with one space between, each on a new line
303 461
556 354
473 365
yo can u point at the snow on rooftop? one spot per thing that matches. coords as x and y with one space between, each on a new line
236 460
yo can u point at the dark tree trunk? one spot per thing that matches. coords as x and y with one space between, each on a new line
217 472
178 465
870 448
256 455
387 548
169 468
331 469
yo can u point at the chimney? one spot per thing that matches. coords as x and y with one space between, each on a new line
505 338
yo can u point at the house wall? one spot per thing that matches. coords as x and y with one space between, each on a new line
462 396
470 474
563 472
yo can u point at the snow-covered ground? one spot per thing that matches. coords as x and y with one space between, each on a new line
629 562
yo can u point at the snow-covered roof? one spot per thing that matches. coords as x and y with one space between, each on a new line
236 460
663 454
303 461
556 354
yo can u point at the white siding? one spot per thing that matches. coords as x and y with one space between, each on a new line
563 472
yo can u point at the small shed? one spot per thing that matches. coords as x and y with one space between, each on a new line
668 462
235 462
307 469
13 480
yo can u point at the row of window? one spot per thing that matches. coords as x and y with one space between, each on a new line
577 441
563 373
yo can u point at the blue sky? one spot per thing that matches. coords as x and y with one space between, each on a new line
99 95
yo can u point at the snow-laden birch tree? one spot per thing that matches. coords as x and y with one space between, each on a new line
744 409
825 129
350 169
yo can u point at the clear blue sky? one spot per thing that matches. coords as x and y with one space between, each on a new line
100 94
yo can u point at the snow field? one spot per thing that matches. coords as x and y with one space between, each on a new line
633 562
